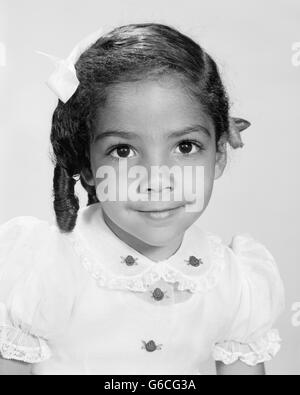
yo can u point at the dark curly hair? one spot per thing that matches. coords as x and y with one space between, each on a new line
128 53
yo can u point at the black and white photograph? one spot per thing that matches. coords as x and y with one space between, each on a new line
149 221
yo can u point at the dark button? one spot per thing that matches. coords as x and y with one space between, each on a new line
158 294
151 346
194 261
129 260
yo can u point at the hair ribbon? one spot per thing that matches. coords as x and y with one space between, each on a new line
63 81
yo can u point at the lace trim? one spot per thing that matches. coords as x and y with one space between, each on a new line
142 281
252 354
11 348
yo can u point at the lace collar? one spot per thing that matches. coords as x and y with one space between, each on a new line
195 266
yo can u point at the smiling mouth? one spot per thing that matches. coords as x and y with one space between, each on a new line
160 215
159 211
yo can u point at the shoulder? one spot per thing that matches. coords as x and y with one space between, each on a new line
254 279
29 242
33 247
36 275
244 253
246 246
253 259
20 228
26 232
250 277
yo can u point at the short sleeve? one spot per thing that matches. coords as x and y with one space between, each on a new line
36 289
251 336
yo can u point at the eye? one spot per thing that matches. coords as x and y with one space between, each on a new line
187 146
121 151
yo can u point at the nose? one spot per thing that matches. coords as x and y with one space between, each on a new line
156 179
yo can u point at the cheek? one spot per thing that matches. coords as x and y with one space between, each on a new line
209 182
104 171
205 181
203 173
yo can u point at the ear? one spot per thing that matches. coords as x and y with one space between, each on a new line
86 172
221 160
87 175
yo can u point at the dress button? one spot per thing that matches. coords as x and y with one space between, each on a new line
158 294
193 261
150 346
129 260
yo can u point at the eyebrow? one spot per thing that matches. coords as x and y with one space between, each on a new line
132 135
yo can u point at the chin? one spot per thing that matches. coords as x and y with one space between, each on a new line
156 238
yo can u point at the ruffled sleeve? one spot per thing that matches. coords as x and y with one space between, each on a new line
36 288
251 336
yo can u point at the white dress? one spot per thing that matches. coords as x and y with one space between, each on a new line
86 303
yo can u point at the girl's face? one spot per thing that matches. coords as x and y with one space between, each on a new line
152 123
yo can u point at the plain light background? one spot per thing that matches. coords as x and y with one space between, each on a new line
251 41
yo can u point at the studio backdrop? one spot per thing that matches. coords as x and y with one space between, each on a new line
257 47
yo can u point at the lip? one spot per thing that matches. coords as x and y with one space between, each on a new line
159 217
160 210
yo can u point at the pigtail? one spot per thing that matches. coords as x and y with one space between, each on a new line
66 203
70 140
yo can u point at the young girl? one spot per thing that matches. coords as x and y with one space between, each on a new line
135 286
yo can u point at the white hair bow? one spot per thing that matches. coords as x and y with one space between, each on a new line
236 126
63 81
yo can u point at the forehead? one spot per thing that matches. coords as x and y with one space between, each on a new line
150 107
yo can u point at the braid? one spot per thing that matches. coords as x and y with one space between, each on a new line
66 204
92 199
